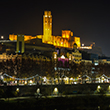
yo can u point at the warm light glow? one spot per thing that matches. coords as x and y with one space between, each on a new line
55 89
71 78
38 91
82 44
57 41
15 81
55 56
85 47
2 77
13 37
25 82
109 87
98 87
63 57
45 79
47 27
66 33
17 89
77 41
31 81
2 37
70 57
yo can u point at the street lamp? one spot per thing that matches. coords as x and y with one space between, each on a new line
2 37
56 91
98 88
109 88
17 90
31 81
38 91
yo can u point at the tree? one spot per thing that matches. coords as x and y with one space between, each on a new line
74 71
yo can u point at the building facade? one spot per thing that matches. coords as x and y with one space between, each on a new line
66 40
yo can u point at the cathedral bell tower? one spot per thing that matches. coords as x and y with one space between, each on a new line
47 27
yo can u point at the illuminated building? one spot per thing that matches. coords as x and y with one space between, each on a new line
47 27
13 37
87 47
77 41
76 55
66 40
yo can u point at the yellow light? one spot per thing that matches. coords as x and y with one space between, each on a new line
67 36
61 42
98 87
63 57
31 81
82 44
17 89
25 82
2 37
38 90
70 57
55 89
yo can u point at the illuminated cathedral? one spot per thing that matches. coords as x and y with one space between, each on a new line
66 40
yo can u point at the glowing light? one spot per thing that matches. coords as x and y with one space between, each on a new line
31 81
45 79
55 89
2 77
15 81
85 47
98 87
38 91
25 82
17 89
75 82
2 37
109 86
55 56
77 41
71 78
63 57
82 44
69 57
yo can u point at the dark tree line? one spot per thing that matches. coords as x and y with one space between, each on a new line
27 67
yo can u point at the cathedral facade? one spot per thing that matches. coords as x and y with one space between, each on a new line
66 40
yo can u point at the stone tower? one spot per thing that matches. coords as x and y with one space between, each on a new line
47 27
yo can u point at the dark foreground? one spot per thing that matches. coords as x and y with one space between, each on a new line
58 103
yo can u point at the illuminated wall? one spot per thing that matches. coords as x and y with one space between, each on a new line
64 40
12 37
77 41
26 37
58 41
47 27
67 34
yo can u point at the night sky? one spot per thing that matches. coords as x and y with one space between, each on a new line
89 20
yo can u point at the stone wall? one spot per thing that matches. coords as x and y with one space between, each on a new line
62 89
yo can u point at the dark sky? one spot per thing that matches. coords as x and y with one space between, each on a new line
89 20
